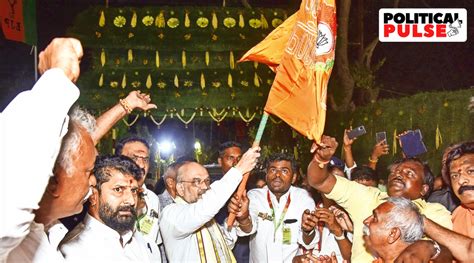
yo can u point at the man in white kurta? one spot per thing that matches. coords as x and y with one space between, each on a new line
275 213
42 111
187 226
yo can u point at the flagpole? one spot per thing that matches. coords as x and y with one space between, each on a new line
245 178
36 61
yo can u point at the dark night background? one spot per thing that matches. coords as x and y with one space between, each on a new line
409 68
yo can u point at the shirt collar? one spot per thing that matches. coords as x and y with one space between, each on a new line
96 225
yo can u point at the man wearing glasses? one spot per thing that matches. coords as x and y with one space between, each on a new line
272 215
190 234
138 150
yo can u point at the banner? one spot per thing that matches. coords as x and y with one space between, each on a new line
18 18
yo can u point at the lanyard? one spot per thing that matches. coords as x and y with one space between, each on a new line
276 224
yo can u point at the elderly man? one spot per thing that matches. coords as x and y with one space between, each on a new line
392 227
107 232
272 215
59 159
458 172
409 178
190 233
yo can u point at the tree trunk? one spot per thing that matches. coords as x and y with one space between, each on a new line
343 74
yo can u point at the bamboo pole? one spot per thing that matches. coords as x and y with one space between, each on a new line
256 142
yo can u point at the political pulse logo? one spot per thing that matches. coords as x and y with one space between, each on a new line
422 25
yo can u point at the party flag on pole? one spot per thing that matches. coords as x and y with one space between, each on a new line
298 93
18 20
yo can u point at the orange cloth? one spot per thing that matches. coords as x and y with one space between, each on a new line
298 93
463 221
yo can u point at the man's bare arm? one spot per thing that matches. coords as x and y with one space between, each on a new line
107 120
461 247
318 175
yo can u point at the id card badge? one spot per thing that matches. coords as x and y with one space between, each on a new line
274 252
146 224
286 235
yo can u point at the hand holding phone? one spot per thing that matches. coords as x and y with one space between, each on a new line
356 132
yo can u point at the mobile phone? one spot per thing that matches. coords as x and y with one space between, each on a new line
381 136
356 132
412 143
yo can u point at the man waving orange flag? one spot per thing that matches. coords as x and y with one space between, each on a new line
302 51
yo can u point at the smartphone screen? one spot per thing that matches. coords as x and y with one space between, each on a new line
381 136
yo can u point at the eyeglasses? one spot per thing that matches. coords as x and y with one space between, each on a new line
232 159
137 158
198 182
282 171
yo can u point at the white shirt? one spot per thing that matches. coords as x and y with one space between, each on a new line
180 222
266 245
31 129
40 245
149 225
93 241
328 245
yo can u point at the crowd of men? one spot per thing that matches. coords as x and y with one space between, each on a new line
63 201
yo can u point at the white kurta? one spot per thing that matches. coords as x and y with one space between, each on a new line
180 222
266 245
93 241
31 129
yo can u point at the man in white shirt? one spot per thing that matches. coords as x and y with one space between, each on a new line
272 214
108 234
138 150
59 159
189 232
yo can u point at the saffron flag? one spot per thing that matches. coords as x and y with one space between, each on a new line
298 93
18 18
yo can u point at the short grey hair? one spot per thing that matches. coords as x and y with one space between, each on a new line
406 216
78 118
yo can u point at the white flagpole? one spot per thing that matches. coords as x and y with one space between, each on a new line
36 62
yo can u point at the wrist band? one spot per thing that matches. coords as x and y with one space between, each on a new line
341 237
437 248
250 222
373 161
125 106
321 163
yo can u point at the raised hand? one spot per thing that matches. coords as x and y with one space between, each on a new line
136 99
62 53
342 219
308 221
379 149
325 150
248 160
347 142
326 216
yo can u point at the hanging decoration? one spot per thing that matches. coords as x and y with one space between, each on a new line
131 123
160 20
248 118
133 21
102 58
438 137
102 19
231 60
214 20
394 144
187 22
124 81
183 59
186 122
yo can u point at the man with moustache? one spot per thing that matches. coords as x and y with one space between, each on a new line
59 162
408 178
271 215
392 227
190 234
107 233
458 172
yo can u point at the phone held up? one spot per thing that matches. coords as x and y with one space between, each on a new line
380 137
356 132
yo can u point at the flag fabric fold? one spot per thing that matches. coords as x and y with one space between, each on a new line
303 58
18 20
